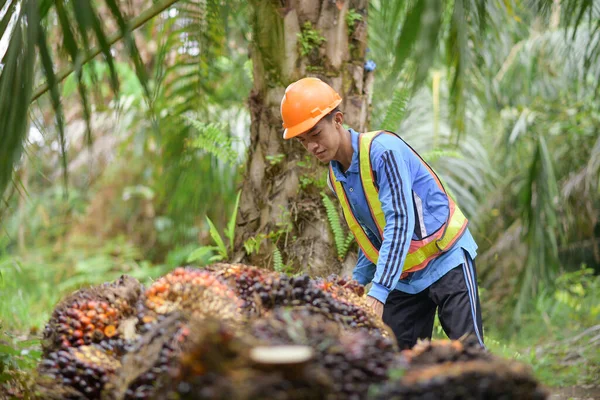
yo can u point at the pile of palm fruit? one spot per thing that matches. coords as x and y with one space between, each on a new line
237 332
455 369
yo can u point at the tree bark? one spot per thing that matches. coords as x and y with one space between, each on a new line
281 191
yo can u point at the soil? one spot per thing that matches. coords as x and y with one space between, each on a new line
585 392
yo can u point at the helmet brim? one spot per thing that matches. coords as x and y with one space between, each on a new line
304 126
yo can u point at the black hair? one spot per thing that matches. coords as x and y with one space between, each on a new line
330 115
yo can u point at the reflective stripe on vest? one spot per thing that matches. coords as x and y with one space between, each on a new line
420 252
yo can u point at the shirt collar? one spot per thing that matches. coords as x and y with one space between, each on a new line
337 167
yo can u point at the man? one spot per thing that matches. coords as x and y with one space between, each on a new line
415 246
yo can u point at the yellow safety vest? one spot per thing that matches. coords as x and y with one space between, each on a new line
421 252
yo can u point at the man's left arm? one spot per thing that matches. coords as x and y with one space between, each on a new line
395 193
364 270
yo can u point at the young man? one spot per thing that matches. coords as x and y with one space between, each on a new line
414 242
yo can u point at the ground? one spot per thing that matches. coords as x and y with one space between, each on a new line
586 392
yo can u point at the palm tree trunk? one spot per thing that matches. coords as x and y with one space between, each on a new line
281 193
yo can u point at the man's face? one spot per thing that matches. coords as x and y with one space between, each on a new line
323 140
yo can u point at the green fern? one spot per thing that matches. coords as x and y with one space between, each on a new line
278 261
213 140
342 242
396 110
346 246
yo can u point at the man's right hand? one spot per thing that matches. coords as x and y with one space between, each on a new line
375 305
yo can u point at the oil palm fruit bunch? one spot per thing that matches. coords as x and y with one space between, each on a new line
82 371
352 359
147 364
262 290
223 362
283 290
91 315
428 352
244 279
345 291
192 290
466 380
347 284
215 351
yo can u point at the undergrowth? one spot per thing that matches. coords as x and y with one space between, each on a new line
560 334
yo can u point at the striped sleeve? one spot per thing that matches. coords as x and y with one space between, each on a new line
395 188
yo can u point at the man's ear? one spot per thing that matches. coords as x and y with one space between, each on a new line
338 118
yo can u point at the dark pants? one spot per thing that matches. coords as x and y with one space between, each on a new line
456 298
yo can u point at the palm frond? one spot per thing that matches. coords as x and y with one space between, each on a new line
593 167
426 27
577 15
27 35
16 80
74 53
200 79
48 67
539 196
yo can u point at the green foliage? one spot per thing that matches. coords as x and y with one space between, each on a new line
275 159
27 31
201 85
18 357
557 331
284 227
306 162
214 140
17 353
309 38
277 260
308 180
252 244
342 242
396 110
223 251
433 156
98 73
352 16
279 265
51 272
311 176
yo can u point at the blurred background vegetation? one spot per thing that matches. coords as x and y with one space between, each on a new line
134 162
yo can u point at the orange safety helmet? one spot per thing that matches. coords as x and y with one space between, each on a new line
304 103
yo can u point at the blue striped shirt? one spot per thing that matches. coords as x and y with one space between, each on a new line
414 207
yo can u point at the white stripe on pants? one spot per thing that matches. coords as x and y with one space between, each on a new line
472 288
